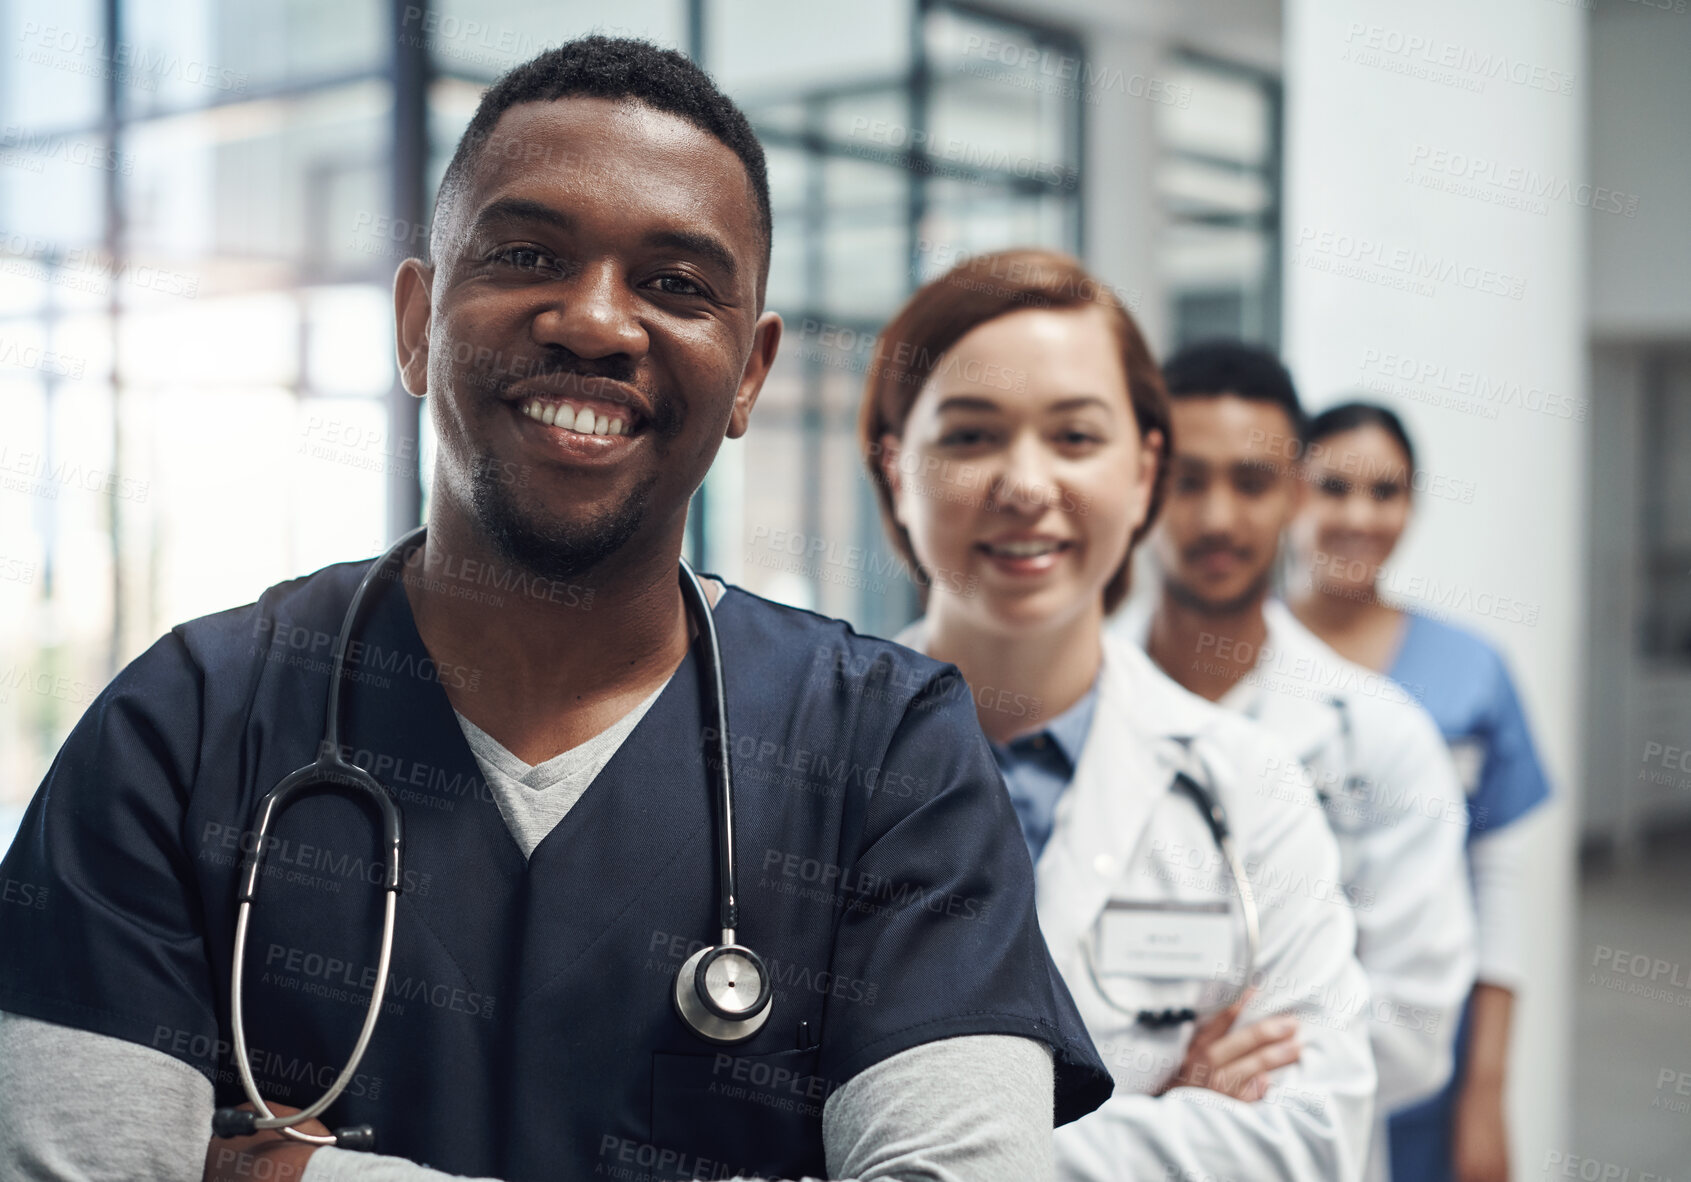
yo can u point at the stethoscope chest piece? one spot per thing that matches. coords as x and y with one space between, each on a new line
723 993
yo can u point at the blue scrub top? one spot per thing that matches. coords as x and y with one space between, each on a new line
529 1029
1462 682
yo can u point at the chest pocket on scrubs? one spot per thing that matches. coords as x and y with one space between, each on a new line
753 1114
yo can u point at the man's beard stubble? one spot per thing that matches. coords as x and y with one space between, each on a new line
546 546
1188 597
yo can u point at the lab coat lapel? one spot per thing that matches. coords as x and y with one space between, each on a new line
1102 816
1279 691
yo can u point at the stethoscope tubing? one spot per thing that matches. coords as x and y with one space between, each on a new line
330 769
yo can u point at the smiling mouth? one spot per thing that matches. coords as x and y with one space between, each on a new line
583 420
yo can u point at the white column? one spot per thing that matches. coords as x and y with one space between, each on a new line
1123 214
1435 214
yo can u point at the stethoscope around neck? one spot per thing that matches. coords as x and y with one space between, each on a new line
1200 791
722 992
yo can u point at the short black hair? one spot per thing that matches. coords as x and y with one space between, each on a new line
616 68
1349 416
1209 369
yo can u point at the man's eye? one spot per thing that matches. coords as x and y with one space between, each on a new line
1334 487
1187 483
1253 484
1387 490
525 258
681 285
1078 438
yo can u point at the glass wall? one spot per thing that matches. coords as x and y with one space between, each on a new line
203 206
1219 177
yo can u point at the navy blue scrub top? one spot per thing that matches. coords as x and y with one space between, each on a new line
529 1030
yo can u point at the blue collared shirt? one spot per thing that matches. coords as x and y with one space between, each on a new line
1037 767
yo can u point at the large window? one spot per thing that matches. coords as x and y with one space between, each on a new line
901 137
1219 178
204 202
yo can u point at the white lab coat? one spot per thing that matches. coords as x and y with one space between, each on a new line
1120 833
1395 802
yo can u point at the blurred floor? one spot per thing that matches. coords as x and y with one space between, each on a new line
1632 1018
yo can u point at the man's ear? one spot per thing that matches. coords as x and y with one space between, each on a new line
412 312
766 339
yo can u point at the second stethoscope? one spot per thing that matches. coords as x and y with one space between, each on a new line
1200 791
722 992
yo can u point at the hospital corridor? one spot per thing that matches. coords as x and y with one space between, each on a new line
893 591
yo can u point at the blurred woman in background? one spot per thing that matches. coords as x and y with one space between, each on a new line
1017 433
1360 465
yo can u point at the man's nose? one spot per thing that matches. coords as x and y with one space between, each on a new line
593 315
1217 509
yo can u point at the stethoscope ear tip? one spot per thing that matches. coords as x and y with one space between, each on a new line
358 1137
233 1122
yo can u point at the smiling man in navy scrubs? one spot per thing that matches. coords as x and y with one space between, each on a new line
588 329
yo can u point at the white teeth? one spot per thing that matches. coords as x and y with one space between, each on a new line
584 421
1024 549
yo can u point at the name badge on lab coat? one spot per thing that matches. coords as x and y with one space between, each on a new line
1183 941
